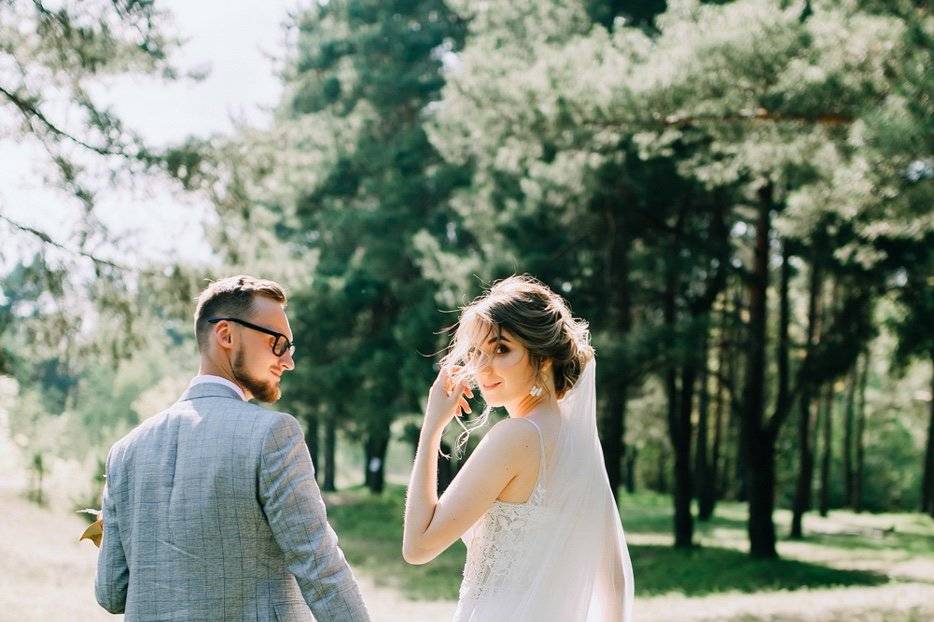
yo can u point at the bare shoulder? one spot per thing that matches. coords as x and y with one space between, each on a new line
513 438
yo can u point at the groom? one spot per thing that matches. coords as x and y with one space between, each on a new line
211 510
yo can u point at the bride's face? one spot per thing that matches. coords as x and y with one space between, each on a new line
504 371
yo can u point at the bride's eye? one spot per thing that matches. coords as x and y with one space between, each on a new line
501 350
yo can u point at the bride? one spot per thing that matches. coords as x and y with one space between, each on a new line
533 502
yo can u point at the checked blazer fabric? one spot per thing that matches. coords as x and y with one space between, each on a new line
211 512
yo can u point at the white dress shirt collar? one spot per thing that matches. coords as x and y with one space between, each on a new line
203 378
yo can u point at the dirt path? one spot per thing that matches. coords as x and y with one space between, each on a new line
912 602
47 576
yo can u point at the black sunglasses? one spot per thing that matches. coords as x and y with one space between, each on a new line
279 347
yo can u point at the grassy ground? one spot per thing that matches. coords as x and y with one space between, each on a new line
853 570
876 563
370 533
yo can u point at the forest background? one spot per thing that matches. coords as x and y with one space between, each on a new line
736 195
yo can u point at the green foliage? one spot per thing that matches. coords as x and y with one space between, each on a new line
912 322
365 71
52 56
84 379
893 480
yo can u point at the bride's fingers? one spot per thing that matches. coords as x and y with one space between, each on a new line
461 388
464 406
443 381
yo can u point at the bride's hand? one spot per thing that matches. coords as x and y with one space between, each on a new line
446 399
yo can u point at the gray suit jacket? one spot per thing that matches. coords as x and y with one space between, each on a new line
211 512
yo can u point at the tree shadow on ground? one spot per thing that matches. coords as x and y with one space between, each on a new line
912 543
707 570
664 523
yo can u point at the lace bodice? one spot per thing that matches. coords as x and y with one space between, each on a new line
496 541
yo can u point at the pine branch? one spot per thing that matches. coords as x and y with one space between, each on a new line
31 112
760 114
47 239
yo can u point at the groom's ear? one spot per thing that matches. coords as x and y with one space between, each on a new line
223 335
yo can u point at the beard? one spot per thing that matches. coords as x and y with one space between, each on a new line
264 391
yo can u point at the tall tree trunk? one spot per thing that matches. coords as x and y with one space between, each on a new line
761 527
861 436
311 439
620 319
661 482
757 444
714 492
848 413
729 484
679 426
330 453
783 393
763 543
684 487
613 449
703 469
927 496
735 477
802 498
38 468
375 459
826 448
828 399
736 407
632 453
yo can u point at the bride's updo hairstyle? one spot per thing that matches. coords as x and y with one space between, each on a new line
542 322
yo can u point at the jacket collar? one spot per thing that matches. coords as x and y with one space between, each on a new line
209 389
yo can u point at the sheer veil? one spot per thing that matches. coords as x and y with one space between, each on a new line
577 567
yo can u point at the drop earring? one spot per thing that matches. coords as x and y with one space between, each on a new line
535 391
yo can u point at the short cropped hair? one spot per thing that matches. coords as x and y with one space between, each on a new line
233 296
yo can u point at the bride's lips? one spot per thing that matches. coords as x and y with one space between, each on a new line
491 386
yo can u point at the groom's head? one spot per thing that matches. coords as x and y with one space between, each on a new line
244 334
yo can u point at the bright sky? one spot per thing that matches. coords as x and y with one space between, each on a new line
237 42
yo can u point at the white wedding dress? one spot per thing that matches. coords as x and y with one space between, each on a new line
561 556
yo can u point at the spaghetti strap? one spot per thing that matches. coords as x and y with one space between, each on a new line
541 446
